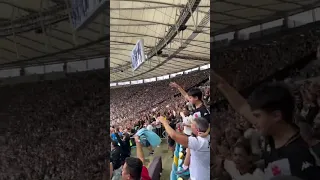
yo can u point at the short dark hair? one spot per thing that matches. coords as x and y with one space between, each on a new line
195 92
114 143
272 97
134 167
245 145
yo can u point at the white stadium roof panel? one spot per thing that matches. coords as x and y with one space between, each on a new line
27 45
151 20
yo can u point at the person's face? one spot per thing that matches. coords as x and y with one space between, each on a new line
186 112
266 121
125 175
193 100
194 128
240 157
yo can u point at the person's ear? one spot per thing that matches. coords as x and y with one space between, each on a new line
277 115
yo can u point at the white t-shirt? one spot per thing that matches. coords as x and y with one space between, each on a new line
149 127
232 170
187 120
254 137
200 157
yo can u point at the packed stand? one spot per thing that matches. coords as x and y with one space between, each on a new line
275 132
55 129
245 66
127 104
157 107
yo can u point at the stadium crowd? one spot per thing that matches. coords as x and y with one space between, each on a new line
54 129
284 104
128 104
142 106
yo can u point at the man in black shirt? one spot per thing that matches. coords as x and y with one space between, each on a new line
115 155
171 142
271 109
124 145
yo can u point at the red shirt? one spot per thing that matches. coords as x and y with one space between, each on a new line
145 174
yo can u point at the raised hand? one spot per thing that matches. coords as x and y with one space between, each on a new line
174 85
162 119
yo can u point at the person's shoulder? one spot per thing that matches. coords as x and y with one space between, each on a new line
203 108
145 173
298 144
199 139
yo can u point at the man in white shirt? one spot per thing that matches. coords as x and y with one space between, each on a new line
199 146
186 118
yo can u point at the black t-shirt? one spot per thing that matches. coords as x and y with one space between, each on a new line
202 111
141 123
293 159
173 126
316 149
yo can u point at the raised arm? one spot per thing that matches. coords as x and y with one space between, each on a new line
140 154
177 137
111 170
235 99
180 89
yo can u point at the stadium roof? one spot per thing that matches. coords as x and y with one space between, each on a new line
23 42
158 23
230 15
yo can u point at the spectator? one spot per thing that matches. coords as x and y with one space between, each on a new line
199 146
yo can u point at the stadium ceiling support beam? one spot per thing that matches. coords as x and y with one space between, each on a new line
141 21
31 22
13 32
153 2
192 16
249 6
154 7
184 57
43 28
172 32
197 31
276 16
145 35
57 1
30 61
290 2
19 7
